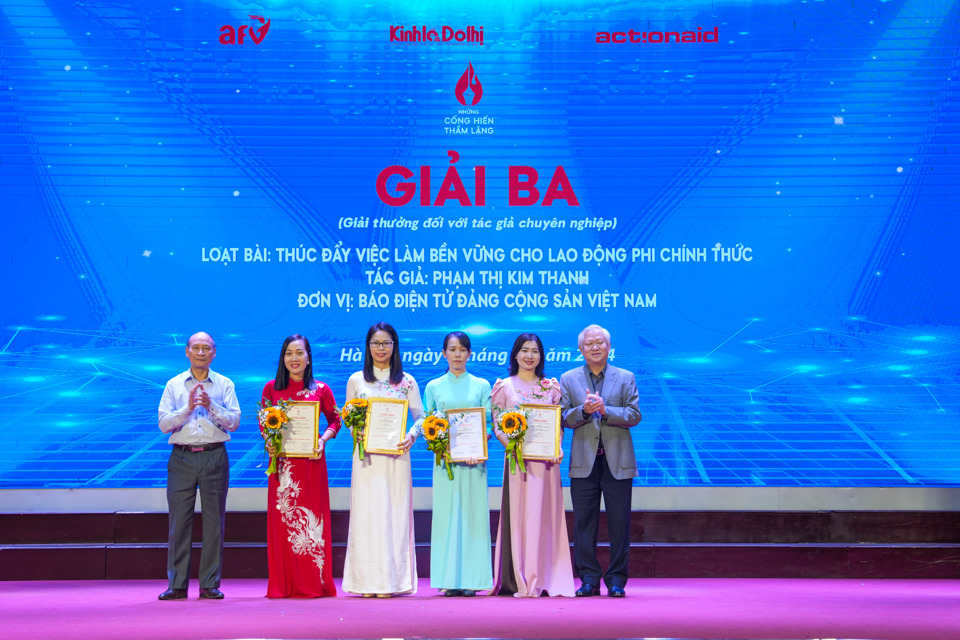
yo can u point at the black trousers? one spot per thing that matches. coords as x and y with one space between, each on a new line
585 494
208 471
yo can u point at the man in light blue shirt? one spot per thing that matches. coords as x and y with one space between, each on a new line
198 409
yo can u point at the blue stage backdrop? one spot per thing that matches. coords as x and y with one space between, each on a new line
758 199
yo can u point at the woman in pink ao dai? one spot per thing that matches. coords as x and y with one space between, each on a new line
532 556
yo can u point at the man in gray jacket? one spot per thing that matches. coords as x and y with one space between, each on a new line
600 404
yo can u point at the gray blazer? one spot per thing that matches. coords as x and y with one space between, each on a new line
623 411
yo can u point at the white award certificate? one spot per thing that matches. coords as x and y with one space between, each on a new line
302 431
386 426
544 433
468 434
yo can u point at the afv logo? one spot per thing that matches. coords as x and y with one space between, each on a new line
229 35
469 81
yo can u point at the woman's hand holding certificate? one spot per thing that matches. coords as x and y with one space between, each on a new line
386 426
302 433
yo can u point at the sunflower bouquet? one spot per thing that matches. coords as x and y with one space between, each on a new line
513 424
436 430
354 415
273 420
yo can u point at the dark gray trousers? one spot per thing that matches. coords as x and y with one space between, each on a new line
208 471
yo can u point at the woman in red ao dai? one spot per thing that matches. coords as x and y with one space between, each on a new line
299 557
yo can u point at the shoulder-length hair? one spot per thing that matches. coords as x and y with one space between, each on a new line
283 376
518 344
396 365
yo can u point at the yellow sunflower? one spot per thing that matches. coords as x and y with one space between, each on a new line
274 418
357 404
512 422
434 427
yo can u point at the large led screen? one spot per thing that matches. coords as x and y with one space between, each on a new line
759 200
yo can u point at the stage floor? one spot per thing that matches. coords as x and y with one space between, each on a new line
660 608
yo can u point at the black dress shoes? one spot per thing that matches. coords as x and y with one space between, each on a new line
211 594
616 591
468 593
588 589
173 594
453 593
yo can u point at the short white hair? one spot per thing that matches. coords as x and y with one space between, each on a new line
592 327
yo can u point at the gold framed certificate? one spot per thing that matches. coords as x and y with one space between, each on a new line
468 434
301 434
386 426
544 433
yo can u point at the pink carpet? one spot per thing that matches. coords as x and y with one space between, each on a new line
662 608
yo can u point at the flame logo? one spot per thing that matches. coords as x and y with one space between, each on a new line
469 80
260 33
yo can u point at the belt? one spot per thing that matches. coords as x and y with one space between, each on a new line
197 448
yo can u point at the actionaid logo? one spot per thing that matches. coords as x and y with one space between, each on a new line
229 35
657 37
469 82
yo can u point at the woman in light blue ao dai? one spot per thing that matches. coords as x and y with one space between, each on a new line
460 561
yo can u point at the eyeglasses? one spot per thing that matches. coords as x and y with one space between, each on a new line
382 345
590 344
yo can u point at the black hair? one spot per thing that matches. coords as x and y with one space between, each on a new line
396 366
518 344
283 376
461 337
